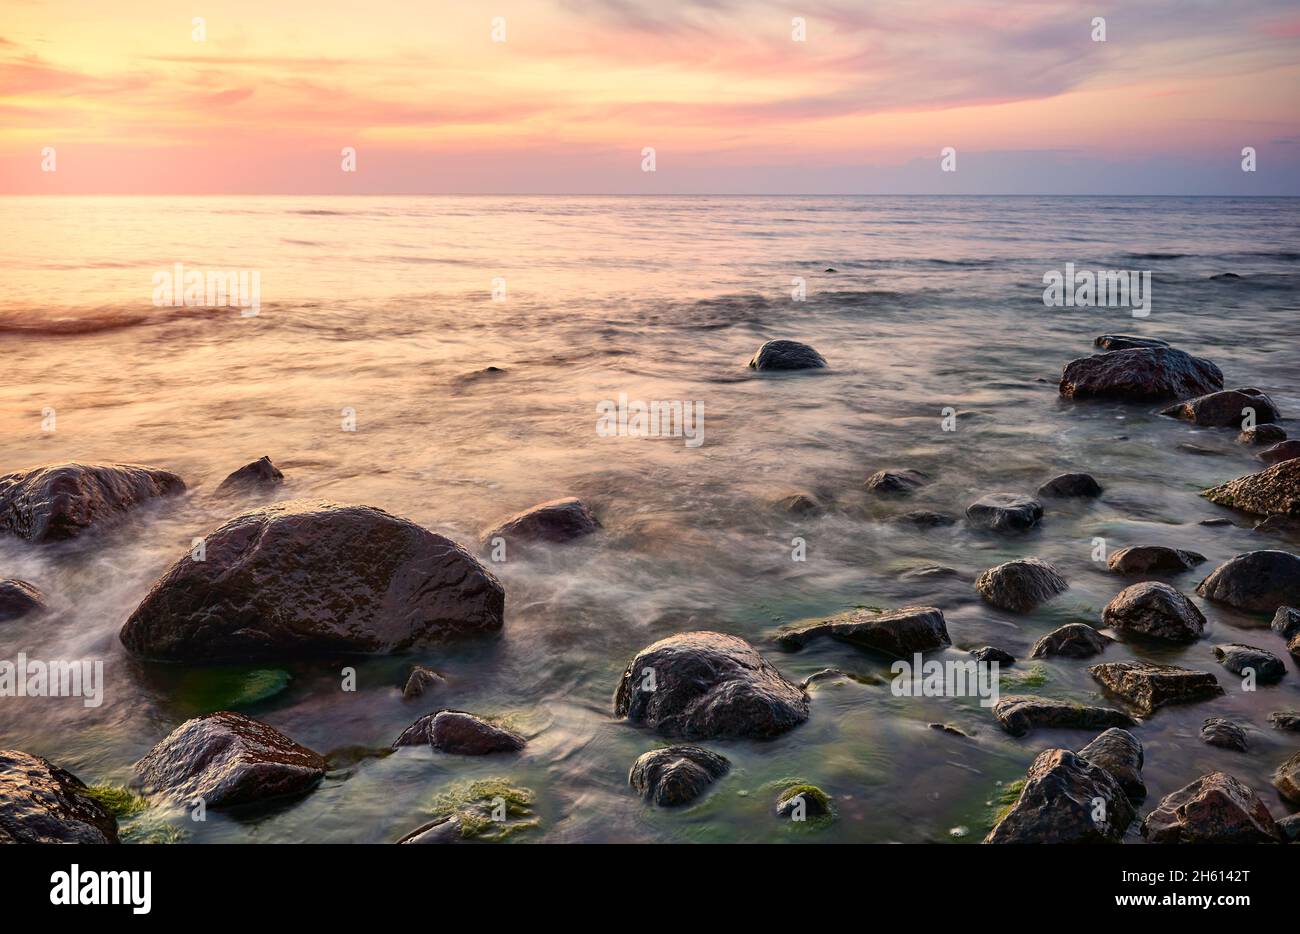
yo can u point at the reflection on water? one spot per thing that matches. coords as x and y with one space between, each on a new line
384 306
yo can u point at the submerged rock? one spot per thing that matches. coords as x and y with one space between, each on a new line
304 577
63 501
554 522
989 653
1073 640
1225 409
786 355
1258 581
1239 659
228 759
1127 342
799 504
1149 687
1119 753
1058 804
1071 485
1020 713
1286 623
1223 733
801 802
1282 451
260 474
926 519
676 774
1020 585
1285 526
443 829
1156 611
1262 434
899 633
1287 779
1273 491
1144 374
18 598
1004 512
701 685
1137 560
421 679
896 482
1288 720
42 803
459 733
1216 808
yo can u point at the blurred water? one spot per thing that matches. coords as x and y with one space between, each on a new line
384 305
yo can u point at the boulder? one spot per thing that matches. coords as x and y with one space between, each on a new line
989 653
308 578
1257 582
1149 687
555 522
1289 828
1225 409
1288 720
898 633
676 774
1273 491
1216 808
1058 804
1004 512
1020 713
18 598
460 733
701 685
1239 659
42 803
63 501
926 519
1073 640
786 355
228 759
1282 451
420 680
1140 560
801 802
1143 374
1223 733
1020 585
1119 753
1069 485
1127 342
1286 622
259 475
1262 434
1287 779
1155 611
896 482
443 829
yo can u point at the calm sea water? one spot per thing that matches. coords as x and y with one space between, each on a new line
384 306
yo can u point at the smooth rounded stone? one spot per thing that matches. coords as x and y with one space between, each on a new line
18 598
1262 434
786 355
1020 585
260 474
1127 342
1020 713
421 680
1149 687
42 803
989 653
228 759
826 674
1258 581
1004 512
1143 374
799 504
1239 659
803 801
555 522
1136 560
1223 733
63 501
898 633
1289 828
459 733
444 829
925 519
1271 492
1071 485
1073 640
896 482
676 775
1119 753
1225 409
1216 808
1282 451
1288 720
309 578
1287 779
1057 804
701 685
1155 611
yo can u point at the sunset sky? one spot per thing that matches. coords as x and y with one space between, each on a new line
131 103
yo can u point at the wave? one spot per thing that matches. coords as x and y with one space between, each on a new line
40 324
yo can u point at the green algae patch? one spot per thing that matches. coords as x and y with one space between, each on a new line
118 801
492 809
1005 800
818 810
1034 677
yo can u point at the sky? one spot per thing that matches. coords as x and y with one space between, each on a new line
134 97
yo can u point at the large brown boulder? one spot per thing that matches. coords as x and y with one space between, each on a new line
676 775
1149 687
1257 582
1020 585
42 803
63 501
1119 753
1216 808
898 633
460 733
554 522
306 577
1274 491
1155 611
1142 374
1225 409
1059 803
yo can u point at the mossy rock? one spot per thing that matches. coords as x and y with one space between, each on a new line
119 801
492 809
816 804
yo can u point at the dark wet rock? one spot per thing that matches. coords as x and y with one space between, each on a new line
1289 828
1149 687
1258 581
228 759
42 803
461 734
923 518
260 474
1286 622
556 522
421 680
803 801
1073 640
1071 485
896 482
989 653
1004 512
837 675
1239 659
700 685
1225 277
676 774
1287 779
1262 434
1119 753
786 355
1020 585
1138 560
1223 733
1057 805
1273 491
1144 374
18 598
1216 522
1284 526
1020 713
1200 451
62 501
799 504
1155 611
1225 409
306 578
899 633
1216 808
1282 451
444 829
1127 342
949 729
932 572
1288 720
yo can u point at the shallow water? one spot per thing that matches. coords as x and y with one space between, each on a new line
384 306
